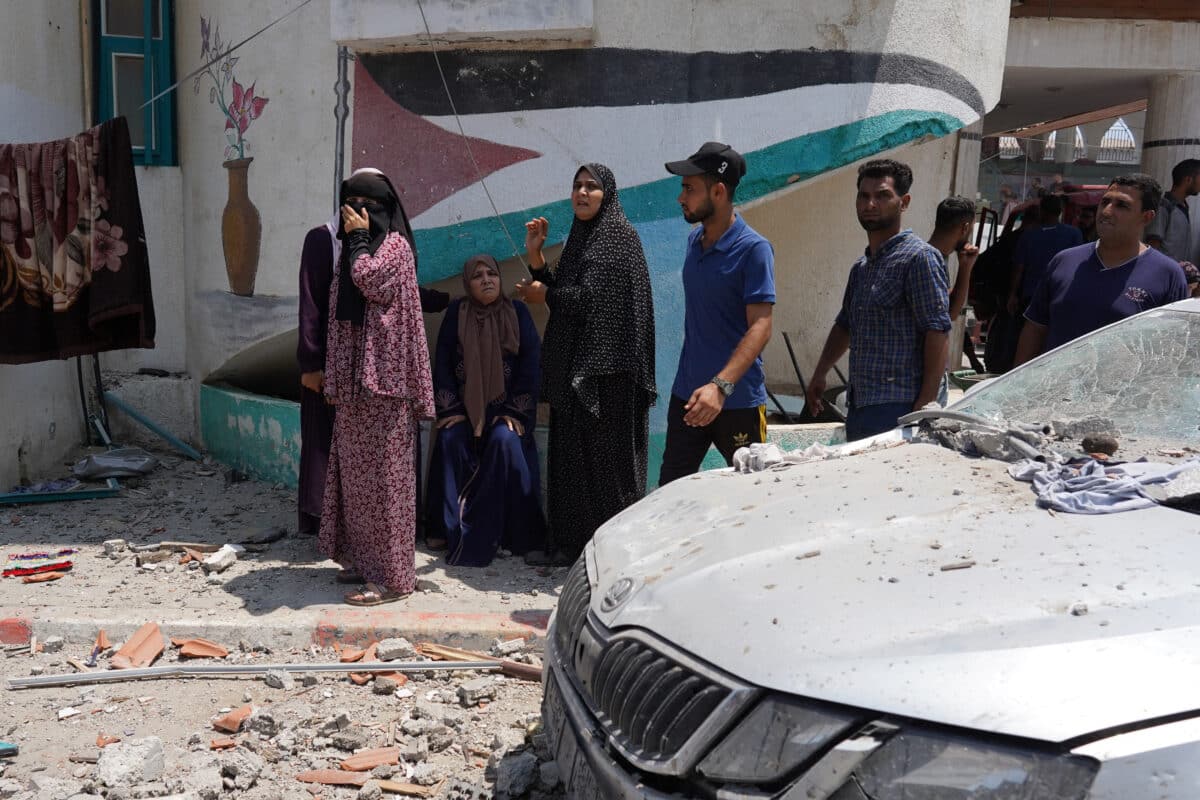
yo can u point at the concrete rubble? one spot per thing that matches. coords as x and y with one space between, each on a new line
457 733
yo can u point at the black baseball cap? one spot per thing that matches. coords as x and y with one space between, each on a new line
713 158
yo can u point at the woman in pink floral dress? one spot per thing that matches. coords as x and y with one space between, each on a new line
377 373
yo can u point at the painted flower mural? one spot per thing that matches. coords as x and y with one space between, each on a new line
239 104
241 226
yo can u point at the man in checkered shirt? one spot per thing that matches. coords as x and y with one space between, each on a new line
895 316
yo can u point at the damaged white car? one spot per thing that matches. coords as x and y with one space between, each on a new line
908 621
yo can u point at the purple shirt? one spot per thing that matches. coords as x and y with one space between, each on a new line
1078 295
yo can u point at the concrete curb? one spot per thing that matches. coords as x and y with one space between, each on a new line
352 626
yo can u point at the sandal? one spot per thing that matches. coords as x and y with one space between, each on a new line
373 596
349 576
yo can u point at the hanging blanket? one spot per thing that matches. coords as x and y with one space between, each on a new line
74 277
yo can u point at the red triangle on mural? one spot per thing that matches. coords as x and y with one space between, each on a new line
425 162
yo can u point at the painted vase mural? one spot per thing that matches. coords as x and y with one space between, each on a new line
241 226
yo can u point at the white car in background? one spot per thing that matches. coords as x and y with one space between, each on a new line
903 622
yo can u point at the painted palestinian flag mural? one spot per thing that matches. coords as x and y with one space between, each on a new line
534 116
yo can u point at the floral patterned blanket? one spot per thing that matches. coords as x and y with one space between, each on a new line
74 276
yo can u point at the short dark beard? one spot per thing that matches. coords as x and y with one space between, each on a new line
881 224
706 211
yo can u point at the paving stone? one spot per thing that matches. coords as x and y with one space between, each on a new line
507 648
516 774
279 679
426 775
263 721
415 751
131 762
350 740
243 767
473 692
370 791
395 650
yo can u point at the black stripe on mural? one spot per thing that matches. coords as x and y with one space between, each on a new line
492 81
1169 143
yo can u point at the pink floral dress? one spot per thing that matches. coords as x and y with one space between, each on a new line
378 374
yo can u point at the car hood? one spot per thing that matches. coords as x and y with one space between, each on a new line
828 580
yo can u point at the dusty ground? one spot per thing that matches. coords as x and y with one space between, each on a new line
188 501
267 601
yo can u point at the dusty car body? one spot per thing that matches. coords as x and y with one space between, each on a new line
900 622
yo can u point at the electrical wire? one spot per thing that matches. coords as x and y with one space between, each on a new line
220 58
466 140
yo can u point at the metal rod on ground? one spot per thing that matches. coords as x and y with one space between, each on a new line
223 670
153 426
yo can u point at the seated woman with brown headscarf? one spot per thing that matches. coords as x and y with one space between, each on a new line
484 488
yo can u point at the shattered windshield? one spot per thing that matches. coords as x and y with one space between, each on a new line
1143 374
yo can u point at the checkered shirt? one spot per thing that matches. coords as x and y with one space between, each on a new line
891 301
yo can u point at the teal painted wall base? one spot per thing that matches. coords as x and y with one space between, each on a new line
254 433
260 436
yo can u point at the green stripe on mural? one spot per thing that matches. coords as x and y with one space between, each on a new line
444 249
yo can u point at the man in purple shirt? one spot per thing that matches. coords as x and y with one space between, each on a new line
1094 285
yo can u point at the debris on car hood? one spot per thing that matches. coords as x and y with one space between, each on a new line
890 618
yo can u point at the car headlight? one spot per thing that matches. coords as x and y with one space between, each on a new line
778 736
888 762
931 765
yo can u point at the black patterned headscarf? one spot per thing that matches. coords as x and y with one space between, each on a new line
386 213
604 262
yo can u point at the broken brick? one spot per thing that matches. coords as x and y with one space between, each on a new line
333 777
104 740
222 743
201 648
232 722
141 649
370 759
351 655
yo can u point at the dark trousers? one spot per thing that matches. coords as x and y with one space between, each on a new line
485 493
870 420
687 445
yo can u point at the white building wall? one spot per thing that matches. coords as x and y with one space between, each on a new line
42 99
293 65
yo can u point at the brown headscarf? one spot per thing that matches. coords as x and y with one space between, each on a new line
485 334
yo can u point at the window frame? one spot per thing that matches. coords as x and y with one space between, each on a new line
157 54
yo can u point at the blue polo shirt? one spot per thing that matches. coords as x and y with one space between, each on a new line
1036 247
718 284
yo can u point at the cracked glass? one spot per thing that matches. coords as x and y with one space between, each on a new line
1143 374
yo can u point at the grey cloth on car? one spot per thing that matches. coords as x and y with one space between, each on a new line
1092 487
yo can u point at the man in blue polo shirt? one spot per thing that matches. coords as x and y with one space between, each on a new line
719 395
1094 285
1035 249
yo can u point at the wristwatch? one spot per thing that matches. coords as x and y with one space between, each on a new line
725 386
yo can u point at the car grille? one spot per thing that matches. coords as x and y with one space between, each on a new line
650 704
573 605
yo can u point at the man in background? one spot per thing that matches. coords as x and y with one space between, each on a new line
1035 249
1093 285
1171 230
